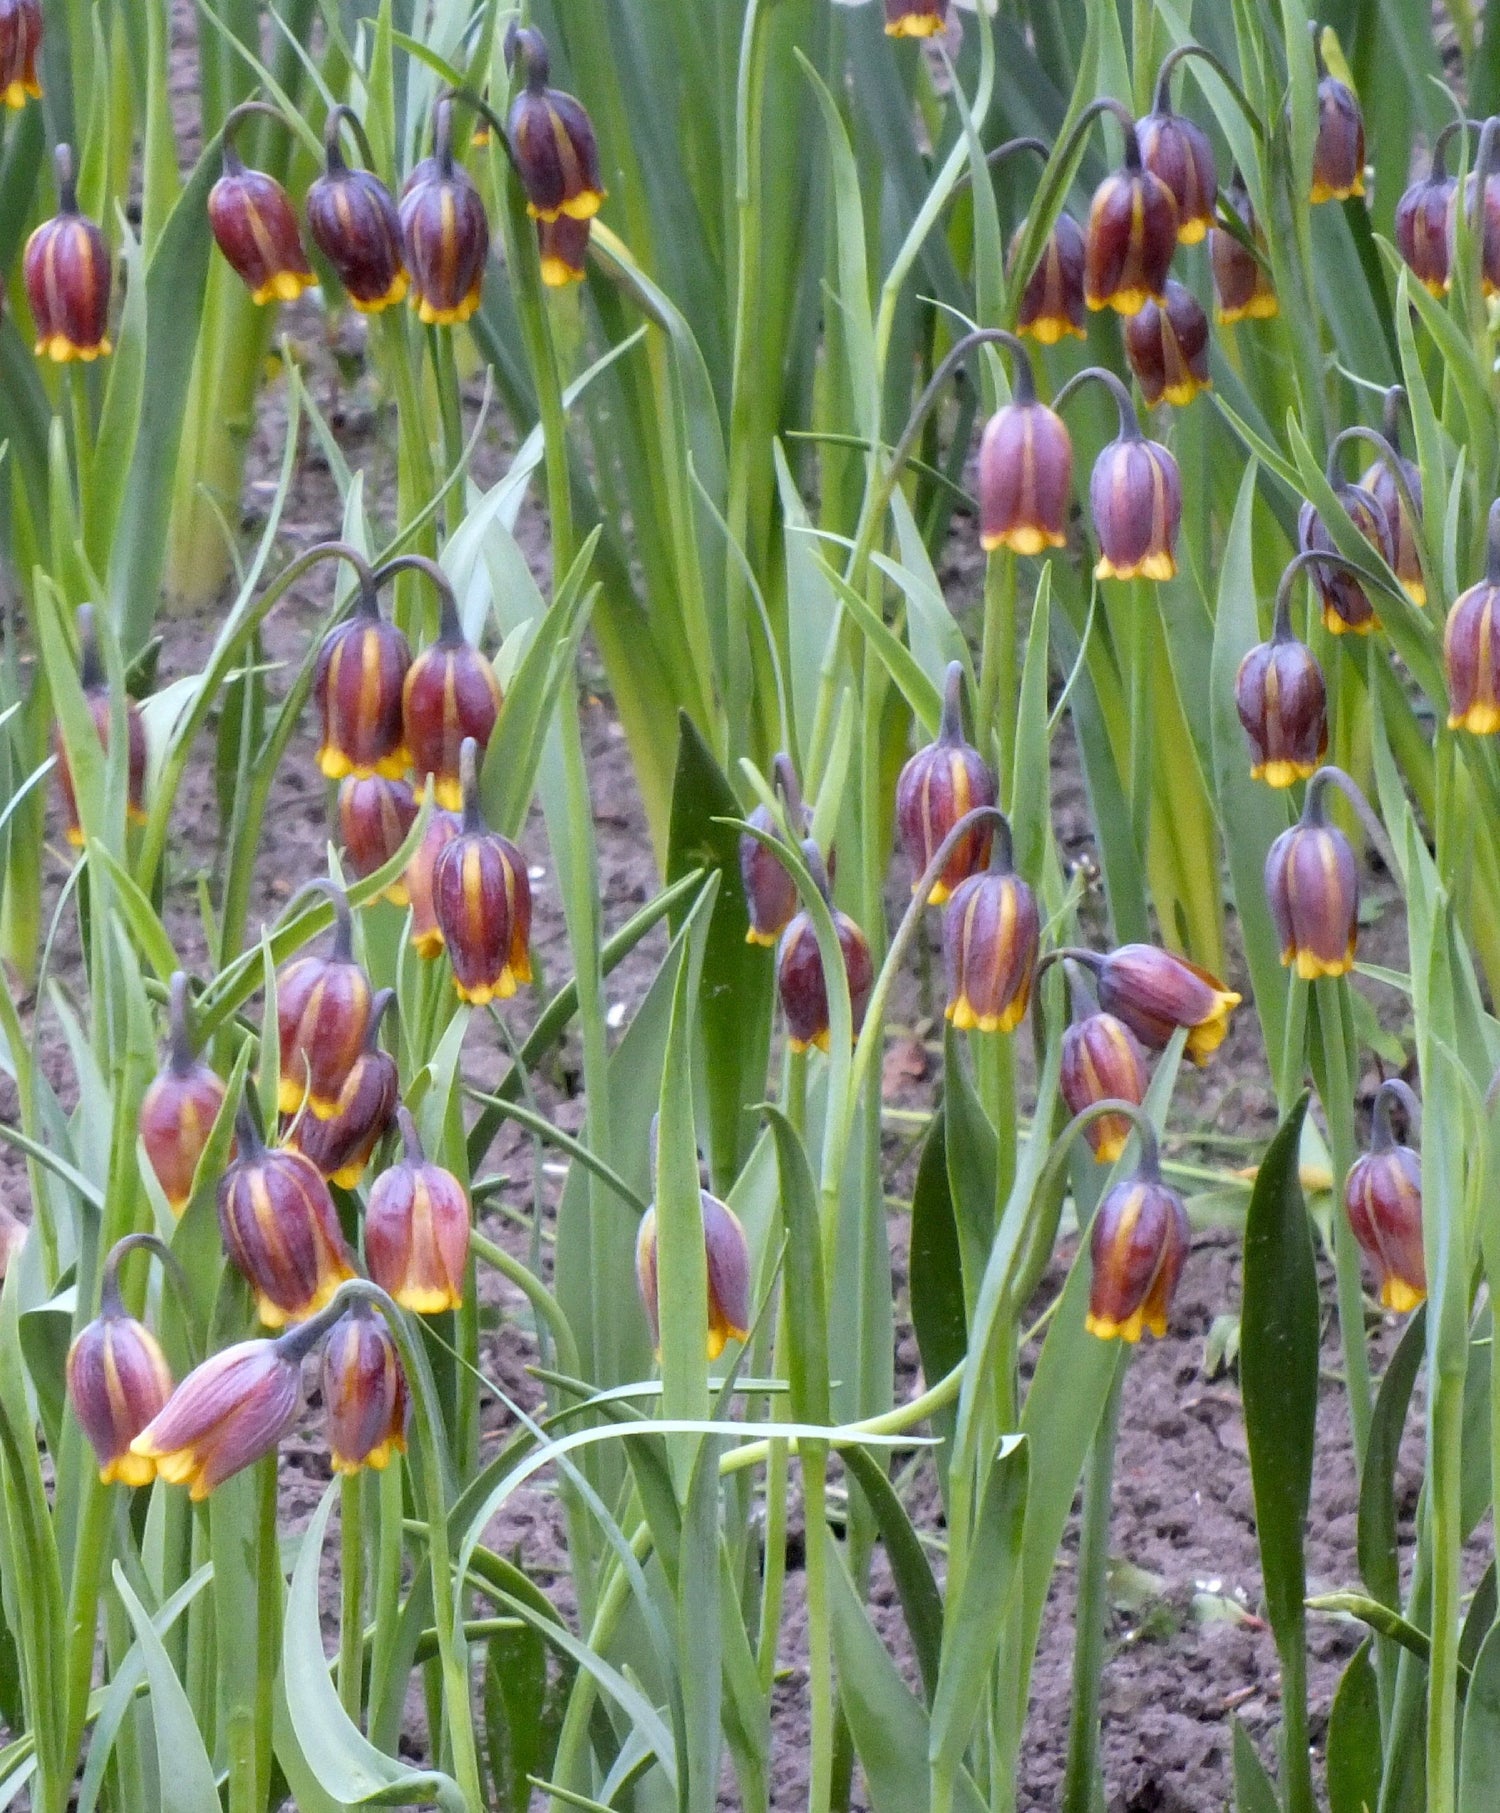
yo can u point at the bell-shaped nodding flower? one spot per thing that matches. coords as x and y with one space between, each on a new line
417 1230
939 785
1312 889
1102 1061
340 1146
1138 1243
96 696
255 225
1166 343
770 892
358 687
1156 992
364 1392
20 41
1132 233
374 817
562 246
481 898
1471 647
915 18
1052 304
1178 152
280 1228
1422 224
1135 495
799 968
229 1412
353 221
1338 166
1242 285
990 935
1025 473
1282 702
1379 479
451 693
1383 1198
322 1011
67 273
445 231
1346 604
728 1260
118 1380
551 139
178 1111
1482 184
426 933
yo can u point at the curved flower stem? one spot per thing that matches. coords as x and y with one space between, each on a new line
1392 1090
1281 626
999 155
339 116
1179 54
232 122
1332 776
1130 422
1390 458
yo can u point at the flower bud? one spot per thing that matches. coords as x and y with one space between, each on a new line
446 234
1338 167
1025 474
799 970
426 933
1312 888
1421 229
450 693
118 1380
96 697
990 935
1242 285
937 787
364 1392
728 1260
20 40
481 898
1178 152
770 892
322 1011
1383 1199
562 245
340 1146
1135 497
1138 1243
1052 303
67 272
1471 648
1132 234
1102 1061
1166 343
1280 696
358 684
179 1108
281 1229
417 1230
255 227
914 19
1346 604
354 224
374 818
1380 481
226 1414
1155 992
552 140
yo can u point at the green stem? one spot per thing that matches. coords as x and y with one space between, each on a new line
1081 1781
536 1294
819 1633
997 672
415 479
1336 1087
352 1594
388 1572
1444 1503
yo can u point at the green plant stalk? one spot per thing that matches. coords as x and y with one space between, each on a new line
450 409
819 1629
351 1593
415 480
1445 1464
773 1567
90 1557
548 1309
1336 1089
1081 1780
997 673
388 1572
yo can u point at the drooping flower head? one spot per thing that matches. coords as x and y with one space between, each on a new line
1312 889
179 1108
358 687
1025 471
340 1146
20 41
322 1013
1346 603
364 1392
943 782
417 1230
1383 1199
118 1378
375 816
1052 304
770 892
1101 1061
450 693
1177 151
445 231
800 982
1281 698
551 138
1157 993
1135 493
67 273
1138 1242
481 898
1242 285
1132 233
1166 343
254 223
1471 647
1338 168
354 223
727 1262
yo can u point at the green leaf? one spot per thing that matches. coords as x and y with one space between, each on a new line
1479 1758
972 1626
1030 799
344 1761
186 1775
734 995
921 1602
936 1267
1379 1562
1353 1754
522 1714
1253 1792
802 1277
